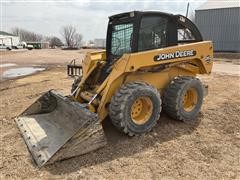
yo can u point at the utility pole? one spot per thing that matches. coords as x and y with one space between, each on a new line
187 9
184 34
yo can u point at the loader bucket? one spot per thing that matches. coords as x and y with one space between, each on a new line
56 128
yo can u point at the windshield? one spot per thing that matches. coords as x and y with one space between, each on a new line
121 39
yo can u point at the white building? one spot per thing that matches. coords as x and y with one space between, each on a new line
100 43
8 39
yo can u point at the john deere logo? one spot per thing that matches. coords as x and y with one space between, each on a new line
173 55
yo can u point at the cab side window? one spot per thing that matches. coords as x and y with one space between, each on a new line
184 34
152 33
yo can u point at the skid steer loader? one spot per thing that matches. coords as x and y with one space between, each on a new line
150 63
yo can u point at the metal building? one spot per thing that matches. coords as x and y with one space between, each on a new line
219 21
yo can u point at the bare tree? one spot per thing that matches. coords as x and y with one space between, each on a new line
16 31
77 40
71 37
26 35
91 42
55 42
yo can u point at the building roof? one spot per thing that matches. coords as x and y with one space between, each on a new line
219 4
3 33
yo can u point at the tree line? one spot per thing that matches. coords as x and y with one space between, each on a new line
69 33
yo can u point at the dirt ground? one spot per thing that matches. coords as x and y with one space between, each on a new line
43 56
208 148
40 58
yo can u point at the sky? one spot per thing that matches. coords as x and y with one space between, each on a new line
89 17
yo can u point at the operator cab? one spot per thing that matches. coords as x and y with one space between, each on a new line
140 31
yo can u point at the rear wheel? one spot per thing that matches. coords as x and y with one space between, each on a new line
135 108
183 98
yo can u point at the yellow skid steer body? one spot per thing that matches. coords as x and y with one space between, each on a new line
57 127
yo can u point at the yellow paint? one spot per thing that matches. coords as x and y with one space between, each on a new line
141 110
190 99
141 66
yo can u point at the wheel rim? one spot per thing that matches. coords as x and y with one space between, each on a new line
141 110
190 99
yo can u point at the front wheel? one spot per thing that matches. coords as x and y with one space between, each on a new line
135 108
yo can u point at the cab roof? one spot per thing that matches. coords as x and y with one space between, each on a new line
135 13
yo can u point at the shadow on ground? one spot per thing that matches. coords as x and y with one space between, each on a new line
120 145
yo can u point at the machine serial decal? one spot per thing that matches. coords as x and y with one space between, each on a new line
176 54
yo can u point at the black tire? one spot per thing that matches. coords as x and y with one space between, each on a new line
173 98
122 101
75 83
